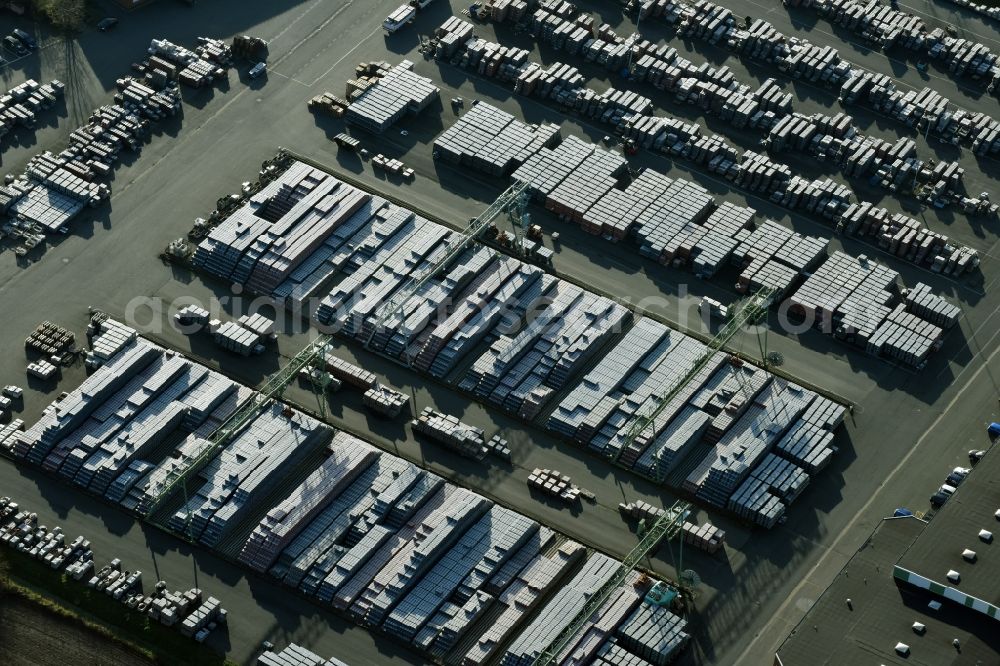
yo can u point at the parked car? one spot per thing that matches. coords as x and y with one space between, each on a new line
976 455
25 38
14 44
901 512
942 495
957 476
106 24
258 70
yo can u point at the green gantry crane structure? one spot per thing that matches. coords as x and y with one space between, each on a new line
671 522
667 526
271 390
511 202
748 312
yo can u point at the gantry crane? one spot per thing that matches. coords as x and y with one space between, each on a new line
747 313
249 409
511 202
667 526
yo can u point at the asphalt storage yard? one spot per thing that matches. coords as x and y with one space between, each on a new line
907 430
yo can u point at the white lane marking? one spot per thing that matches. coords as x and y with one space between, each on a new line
345 56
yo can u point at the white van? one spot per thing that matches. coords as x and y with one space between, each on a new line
399 18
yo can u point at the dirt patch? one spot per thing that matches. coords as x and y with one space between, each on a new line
33 636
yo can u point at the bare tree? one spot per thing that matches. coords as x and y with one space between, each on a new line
65 15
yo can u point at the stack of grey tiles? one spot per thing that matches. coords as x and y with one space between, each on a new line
730 461
383 103
612 654
490 140
905 337
521 597
605 378
520 372
662 370
613 216
348 457
653 633
809 442
402 571
774 256
927 305
774 479
559 611
295 655
311 556
495 536
464 439
547 168
586 643
247 467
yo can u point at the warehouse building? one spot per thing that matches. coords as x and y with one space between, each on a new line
916 591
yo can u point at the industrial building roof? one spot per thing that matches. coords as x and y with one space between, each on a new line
884 608
882 614
956 527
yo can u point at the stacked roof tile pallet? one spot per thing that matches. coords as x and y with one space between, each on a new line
706 536
194 68
295 655
388 544
55 188
385 102
464 439
186 611
894 165
886 27
907 238
492 141
859 300
20 105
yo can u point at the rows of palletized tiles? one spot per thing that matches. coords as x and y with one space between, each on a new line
714 90
766 412
888 26
520 372
728 417
925 109
859 300
763 496
921 301
385 102
247 467
377 538
828 200
55 188
275 530
491 140
106 436
599 627
295 655
668 216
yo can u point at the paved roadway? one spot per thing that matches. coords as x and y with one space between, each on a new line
227 133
